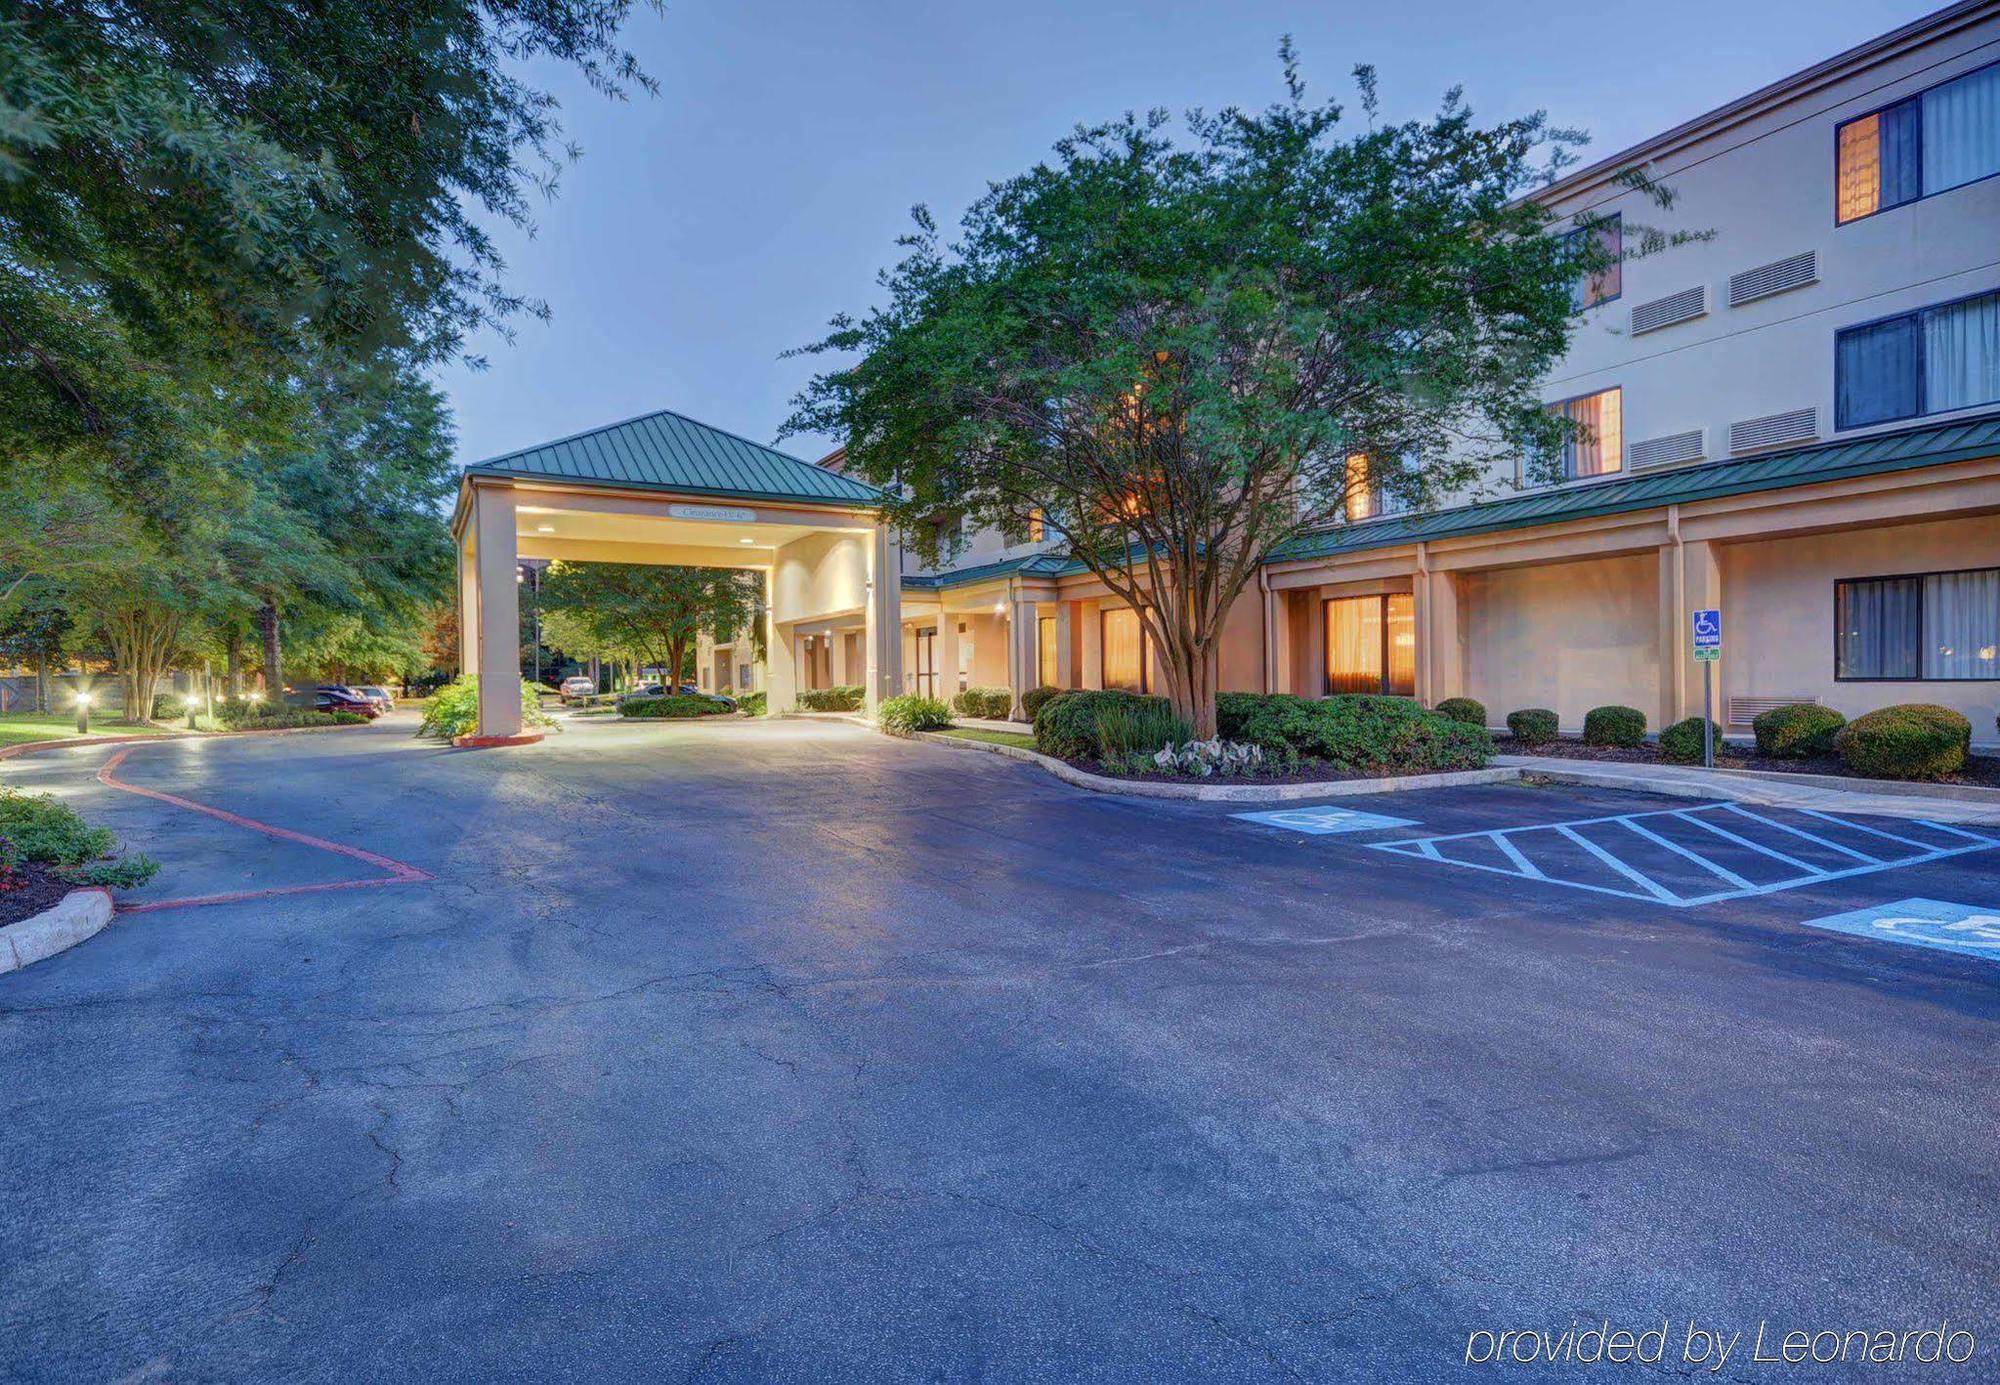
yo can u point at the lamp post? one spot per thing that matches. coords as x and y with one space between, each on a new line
82 713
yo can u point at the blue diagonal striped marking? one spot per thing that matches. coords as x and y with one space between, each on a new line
1518 845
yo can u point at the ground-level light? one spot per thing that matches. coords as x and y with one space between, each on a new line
82 713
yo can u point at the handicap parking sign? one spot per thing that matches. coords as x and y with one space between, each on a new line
1971 929
1707 633
1324 820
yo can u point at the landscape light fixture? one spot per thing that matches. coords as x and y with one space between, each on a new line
82 713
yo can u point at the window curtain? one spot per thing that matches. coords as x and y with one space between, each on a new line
1600 443
1962 624
1878 627
1962 354
1360 487
1354 644
1902 144
1859 179
1875 373
1961 130
1402 622
1045 652
1123 651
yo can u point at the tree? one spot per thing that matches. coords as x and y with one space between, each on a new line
34 631
653 612
1178 357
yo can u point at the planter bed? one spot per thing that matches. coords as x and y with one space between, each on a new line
1304 772
35 888
1981 771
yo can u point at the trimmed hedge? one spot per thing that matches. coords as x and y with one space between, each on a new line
992 703
1353 732
844 698
1797 731
1033 698
1681 742
678 706
1067 725
1533 725
909 714
35 827
288 718
1916 740
753 704
1469 710
1614 725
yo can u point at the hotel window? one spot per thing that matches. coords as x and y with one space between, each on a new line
1367 497
1938 627
1608 282
1926 362
1598 447
1122 652
1932 142
1045 652
1037 528
1371 644
926 670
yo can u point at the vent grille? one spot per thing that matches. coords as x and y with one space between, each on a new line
1776 277
1667 451
1744 710
1774 430
1665 312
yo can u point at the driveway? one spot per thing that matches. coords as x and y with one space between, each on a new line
748 1051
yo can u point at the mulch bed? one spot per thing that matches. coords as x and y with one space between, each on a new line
1981 771
1305 772
34 889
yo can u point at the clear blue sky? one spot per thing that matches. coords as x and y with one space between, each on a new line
710 228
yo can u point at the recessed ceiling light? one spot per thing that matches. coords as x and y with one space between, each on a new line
545 528
746 540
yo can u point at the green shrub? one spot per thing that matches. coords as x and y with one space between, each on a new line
753 704
1066 725
1681 742
1916 740
453 710
1469 710
1033 698
1614 725
909 714
169 706
1797 731
673 707
38 828
1234 709
1361 732
1533 725
992 703
845 698
1141 726
291 718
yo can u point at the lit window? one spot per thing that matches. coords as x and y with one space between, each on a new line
1360 488
1122 652
1607 283
1597 447
1046 672
1932 142
1371 644
1037 529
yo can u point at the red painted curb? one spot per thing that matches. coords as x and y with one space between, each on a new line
400 872
494 742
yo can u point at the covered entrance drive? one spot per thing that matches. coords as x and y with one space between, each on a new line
665 489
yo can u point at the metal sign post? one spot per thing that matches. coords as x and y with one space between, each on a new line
1707 649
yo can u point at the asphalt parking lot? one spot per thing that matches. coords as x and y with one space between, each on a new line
783 1051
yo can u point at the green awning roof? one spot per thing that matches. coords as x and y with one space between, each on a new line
1881 452
1032 565
666 451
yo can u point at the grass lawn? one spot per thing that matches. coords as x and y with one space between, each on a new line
16 727
1018 739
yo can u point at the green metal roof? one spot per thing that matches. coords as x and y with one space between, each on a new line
1032 564
1881 452
667 451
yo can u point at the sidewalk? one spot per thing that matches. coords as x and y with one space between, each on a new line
1933 802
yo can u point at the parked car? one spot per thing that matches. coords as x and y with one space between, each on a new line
577 687
379 696
642 690
333 698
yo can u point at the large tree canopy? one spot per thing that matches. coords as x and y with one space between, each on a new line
1177 355
650 613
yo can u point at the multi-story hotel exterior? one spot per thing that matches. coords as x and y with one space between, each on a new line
1795 420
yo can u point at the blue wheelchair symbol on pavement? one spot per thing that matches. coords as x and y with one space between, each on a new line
1325 820
1963 928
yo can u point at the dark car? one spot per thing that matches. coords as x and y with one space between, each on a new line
342 699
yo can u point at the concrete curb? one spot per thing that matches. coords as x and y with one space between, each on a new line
1232 793
88 742
77 916
1843 783
495 742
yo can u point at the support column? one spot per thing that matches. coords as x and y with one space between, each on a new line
1024 652
1441 645
883 642
1667 697
781 661
499 612
944 655
1066 645
1275 640
1701 587
468 601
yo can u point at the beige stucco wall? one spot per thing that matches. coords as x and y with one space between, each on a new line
1778 612
819 575
1570 636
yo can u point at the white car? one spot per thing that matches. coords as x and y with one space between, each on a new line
379 696
577 687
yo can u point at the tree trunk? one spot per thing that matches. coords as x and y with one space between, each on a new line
42 683
234 649
274 683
